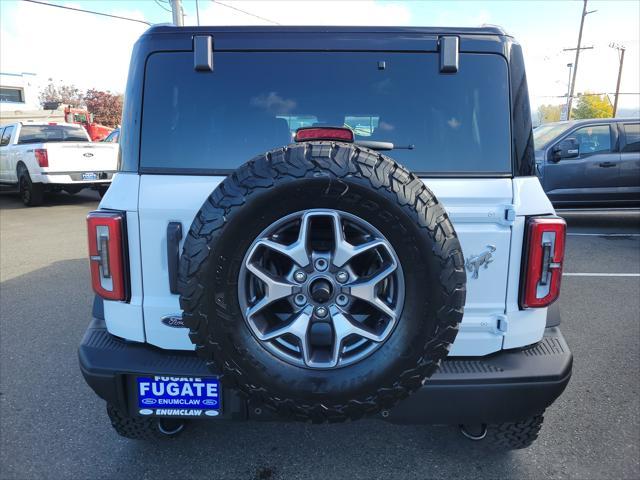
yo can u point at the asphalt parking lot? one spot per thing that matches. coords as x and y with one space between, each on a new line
53 426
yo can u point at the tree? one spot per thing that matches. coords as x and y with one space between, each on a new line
64 94
592 106
105 106
549 113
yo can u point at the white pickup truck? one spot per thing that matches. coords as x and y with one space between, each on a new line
41 157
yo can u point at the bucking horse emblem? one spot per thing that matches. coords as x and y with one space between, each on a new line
474 262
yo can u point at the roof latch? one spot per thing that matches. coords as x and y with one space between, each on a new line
449 54
203 53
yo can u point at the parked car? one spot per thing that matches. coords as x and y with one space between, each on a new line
590 163
39 157
258 257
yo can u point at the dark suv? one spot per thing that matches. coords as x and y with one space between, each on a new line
590 163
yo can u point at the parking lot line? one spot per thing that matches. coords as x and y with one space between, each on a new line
601 274
603 234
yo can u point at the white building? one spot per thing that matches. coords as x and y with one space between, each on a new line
19 99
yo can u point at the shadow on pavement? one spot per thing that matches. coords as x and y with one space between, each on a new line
602 221
12 201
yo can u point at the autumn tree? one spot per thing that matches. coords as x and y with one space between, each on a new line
592 106
105 106
63 94
549 113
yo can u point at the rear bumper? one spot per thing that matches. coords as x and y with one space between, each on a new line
506 386
73 178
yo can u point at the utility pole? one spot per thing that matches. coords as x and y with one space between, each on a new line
575 62
564 114
178 14
621 50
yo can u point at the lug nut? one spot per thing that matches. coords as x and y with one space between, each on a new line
342 276
300 300
321 264
300 276
321 312
342 300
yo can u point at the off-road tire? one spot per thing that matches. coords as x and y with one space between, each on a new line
514 435
139 428
32 194
266 186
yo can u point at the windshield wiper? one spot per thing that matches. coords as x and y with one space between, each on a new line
375 145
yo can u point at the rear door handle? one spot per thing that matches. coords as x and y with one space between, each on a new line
607 164
174 235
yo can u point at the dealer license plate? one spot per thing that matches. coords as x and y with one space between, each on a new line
178 396
90 176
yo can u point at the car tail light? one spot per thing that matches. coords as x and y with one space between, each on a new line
41 157
107 254
339 134
544 254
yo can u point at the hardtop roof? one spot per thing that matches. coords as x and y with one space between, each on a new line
482 30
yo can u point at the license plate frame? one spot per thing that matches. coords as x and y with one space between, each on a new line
89 176
177 397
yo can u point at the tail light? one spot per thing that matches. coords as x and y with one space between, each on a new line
339 134
41 157
108 254
544 254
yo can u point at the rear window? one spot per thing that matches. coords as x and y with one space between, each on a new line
51 133
255 101
632 136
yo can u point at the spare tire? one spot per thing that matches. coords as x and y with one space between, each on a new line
322 280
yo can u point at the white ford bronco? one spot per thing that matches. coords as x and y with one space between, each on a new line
326 224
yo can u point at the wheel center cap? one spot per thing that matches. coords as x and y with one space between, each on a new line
321 290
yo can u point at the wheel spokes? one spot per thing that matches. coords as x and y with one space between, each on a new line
297 327
345 251
344 326
276 288
297 251
281 302
365 289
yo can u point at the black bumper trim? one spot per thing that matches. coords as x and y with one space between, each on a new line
506 386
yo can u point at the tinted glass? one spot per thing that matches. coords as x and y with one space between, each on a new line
6 136
593 139
254 102
632 135
545 134
51 133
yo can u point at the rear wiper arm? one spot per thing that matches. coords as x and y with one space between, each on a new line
375 145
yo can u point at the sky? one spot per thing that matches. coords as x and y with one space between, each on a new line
93 52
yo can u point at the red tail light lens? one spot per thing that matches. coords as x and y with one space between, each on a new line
41 157
107 254
544 254
324 133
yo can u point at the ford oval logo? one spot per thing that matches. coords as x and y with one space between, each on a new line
149 401
174 321
209 401
88 155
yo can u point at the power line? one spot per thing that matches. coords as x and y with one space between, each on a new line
87 11
245 12
162 6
